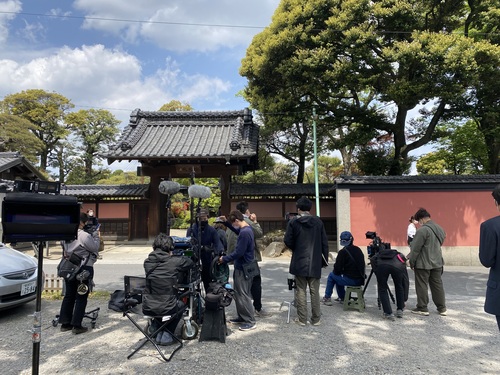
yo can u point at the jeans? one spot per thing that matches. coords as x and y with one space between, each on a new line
301 298
340 281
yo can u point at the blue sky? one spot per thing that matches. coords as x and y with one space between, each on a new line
121 55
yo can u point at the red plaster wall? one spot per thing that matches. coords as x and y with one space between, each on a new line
274 210
113 210
387 213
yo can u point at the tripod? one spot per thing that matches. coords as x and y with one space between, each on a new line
378 298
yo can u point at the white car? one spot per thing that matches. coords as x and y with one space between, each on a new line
18 277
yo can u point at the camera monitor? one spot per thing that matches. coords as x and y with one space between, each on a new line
31 217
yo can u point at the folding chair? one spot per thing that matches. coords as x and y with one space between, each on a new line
134 290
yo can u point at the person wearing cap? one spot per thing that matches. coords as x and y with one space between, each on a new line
211 245
306 237
349 269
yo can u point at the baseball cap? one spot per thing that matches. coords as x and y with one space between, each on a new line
203 212
345 238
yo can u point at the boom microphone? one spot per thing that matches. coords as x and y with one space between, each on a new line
199 191
169 187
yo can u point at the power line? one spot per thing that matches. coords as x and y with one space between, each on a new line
215 24
134 21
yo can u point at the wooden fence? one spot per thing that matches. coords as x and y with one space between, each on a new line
53 283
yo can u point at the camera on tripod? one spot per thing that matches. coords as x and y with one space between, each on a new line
376 245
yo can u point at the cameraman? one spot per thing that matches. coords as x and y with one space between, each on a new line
73 305
349 269
210 244
391 262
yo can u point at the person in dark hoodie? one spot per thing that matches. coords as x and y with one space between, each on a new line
426 260
349 269
162 273
306 237
390 262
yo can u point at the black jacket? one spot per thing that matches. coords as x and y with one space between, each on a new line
306 237
354 267
162 273
489 255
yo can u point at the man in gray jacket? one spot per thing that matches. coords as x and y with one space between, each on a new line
426 260
489 255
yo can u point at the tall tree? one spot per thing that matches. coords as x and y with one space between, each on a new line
46 111
16 134
329 168
369 64
95 130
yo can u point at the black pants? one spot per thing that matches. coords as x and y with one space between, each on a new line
256 291
400 279
73 305
498 321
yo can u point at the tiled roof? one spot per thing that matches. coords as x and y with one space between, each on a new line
420 182
23 168
105 191
181 136
279 190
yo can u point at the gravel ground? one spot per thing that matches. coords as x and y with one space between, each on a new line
347 342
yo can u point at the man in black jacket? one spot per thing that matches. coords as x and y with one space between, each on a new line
489 255
349 269
306 237
162 273
391 262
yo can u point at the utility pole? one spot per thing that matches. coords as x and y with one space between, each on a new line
316 184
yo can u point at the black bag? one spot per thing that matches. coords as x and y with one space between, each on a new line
68 268
251 269
117 301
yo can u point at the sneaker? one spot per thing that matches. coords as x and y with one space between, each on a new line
66 327
327 301
389 317
340 300
399 313
78 330
420 311
442 312
237 320
318 323
297 320
248 326
263 313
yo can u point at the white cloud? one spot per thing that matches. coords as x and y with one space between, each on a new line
176 25
5 18
93 76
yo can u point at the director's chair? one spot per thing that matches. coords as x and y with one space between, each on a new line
134 290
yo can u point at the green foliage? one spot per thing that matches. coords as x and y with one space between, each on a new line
16 134
94 130
432 163
119 177
364 66
44 110
329 168
461 150
176 106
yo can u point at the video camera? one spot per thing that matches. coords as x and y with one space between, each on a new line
376 245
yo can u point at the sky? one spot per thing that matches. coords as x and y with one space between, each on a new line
121 55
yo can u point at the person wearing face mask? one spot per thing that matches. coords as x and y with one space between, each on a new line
210 243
